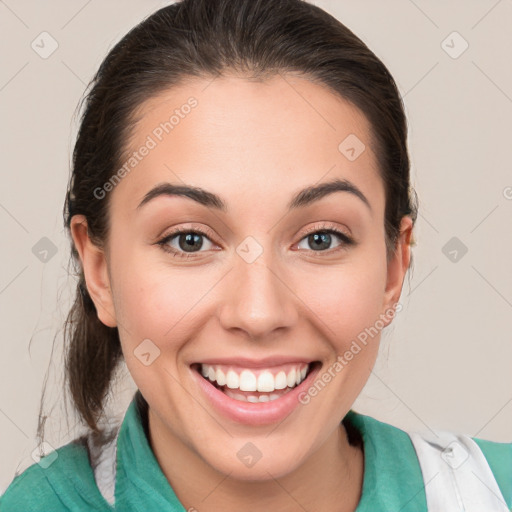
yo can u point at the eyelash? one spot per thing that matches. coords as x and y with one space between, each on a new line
346 241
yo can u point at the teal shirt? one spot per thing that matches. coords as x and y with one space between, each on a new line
392 476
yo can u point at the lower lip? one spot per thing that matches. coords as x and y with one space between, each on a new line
259 413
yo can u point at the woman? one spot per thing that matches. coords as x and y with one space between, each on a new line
241 212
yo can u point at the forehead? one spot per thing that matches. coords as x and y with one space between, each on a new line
249 141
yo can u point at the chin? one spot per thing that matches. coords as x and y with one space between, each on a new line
256 460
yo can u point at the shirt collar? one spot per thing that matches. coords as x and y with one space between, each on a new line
140 482
392 475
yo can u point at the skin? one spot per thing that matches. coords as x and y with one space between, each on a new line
255 144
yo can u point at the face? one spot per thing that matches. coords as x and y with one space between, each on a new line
254 291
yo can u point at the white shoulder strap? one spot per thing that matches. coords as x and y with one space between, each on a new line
456 474
105 470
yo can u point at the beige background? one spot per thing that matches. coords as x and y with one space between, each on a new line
446 361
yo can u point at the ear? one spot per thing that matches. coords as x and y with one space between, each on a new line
94 264
398 265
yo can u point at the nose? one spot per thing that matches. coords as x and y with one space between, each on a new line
258 299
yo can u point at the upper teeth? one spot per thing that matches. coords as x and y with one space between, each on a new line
261 380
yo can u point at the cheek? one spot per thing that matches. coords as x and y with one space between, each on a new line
154 304
150 298
347 299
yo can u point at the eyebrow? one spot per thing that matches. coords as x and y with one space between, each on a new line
303 198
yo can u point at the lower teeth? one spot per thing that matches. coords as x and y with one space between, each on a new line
254 398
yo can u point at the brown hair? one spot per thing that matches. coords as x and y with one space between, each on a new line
204 38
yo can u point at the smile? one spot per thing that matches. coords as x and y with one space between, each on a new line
254 394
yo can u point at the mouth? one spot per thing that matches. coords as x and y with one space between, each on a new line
255 385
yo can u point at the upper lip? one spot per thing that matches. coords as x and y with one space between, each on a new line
265 362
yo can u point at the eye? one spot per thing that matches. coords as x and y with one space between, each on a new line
188 242
320 239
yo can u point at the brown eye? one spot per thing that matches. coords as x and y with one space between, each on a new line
188 242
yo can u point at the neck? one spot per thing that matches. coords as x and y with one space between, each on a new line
330 479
